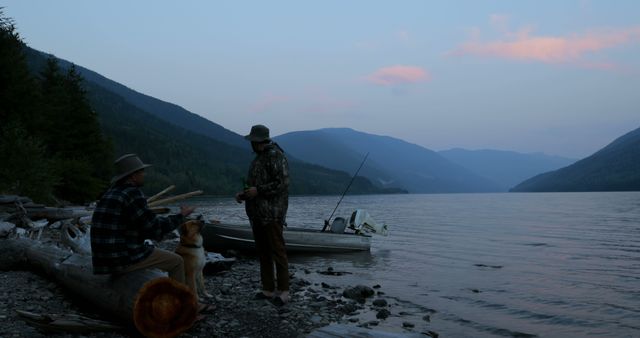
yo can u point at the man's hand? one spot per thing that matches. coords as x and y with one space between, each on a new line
186 210
251 193
240 197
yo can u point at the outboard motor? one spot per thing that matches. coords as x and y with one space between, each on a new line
361 221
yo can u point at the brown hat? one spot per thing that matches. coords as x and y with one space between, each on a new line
127 165
259 133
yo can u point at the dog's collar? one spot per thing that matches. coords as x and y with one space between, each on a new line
191 246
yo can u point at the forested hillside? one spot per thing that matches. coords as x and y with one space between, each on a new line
51 142
615 167
61 133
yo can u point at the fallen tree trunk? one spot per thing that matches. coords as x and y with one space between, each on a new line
54 214
157 305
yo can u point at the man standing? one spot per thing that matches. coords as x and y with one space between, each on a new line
122 222
267 200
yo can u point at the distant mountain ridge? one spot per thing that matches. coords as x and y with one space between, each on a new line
321 149
190 159
166 111
392 162
615 167
506 168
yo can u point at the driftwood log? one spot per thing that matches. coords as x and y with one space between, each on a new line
54 214
66 323
157 305
79 240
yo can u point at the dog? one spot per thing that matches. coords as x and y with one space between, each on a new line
193 254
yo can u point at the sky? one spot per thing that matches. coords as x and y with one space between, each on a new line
559 77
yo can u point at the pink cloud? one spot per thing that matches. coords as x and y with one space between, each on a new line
398 75
524 46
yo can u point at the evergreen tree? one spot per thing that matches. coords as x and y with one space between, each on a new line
82 156
51 144
25 168
18 94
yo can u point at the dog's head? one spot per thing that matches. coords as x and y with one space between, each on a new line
191 228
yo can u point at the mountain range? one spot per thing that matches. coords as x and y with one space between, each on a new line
394 162
391 162
193 152
208 157
505 168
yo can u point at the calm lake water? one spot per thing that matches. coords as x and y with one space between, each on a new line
490 265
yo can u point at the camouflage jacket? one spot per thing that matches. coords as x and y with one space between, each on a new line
269 173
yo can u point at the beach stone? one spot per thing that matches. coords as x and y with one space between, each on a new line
348 308
426 318
380 302
408 324
359 292
383 314
431 334
302 282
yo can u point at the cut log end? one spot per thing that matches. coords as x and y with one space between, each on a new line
164 308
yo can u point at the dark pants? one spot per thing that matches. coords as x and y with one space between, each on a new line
270 247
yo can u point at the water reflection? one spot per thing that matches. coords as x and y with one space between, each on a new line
359 259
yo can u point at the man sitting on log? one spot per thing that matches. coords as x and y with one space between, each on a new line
122 221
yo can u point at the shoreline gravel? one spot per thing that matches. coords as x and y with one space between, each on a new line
314 304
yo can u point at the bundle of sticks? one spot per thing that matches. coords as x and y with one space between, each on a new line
156 201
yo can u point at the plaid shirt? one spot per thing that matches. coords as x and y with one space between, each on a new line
121 222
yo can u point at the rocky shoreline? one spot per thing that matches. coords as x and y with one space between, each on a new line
314 304
315 300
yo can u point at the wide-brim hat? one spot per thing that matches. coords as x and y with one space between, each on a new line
259 133
127 165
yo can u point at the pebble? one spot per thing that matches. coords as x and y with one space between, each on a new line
380 302
383 314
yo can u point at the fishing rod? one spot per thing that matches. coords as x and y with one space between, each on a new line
326 221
